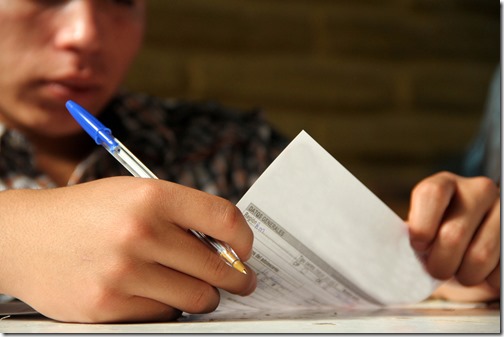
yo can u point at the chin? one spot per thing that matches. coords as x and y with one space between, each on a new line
58 131
38 115
53 124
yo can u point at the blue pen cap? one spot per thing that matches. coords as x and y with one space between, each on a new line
101 134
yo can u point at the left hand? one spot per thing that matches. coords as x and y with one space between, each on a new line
454 223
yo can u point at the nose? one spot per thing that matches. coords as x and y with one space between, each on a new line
78 27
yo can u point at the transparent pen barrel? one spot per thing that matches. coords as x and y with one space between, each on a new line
137 169
130 162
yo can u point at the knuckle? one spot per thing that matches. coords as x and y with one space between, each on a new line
480 256
132 232
149 191
446 175
429 189
103 300
133 227
451 235
121 270
486 185
229 215
215 268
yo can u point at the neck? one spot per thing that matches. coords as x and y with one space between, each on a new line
58 156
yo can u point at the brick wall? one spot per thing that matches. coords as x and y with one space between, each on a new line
394 89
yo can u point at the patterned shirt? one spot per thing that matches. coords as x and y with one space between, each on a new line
202 145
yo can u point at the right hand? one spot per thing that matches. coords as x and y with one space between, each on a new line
118 249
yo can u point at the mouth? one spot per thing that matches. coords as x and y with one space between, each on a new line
66 89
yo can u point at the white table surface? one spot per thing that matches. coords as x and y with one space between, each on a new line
426 317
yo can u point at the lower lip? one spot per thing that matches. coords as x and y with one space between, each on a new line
64 92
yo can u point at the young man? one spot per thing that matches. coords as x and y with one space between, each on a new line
78 245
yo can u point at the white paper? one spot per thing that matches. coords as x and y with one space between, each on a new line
322 239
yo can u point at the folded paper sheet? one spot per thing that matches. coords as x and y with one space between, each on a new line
322 239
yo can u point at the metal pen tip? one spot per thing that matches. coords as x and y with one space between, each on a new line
238 265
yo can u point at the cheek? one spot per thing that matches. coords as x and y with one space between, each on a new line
122 50
14 88
11 62
22 50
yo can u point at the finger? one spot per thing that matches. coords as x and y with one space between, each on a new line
174 289
483 253
132 309
214 216
467 209
147 310
180 250
429 201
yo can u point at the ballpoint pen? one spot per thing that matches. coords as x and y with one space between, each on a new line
103 136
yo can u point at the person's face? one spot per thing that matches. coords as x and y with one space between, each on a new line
55 50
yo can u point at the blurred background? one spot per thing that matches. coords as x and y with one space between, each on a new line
393 89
